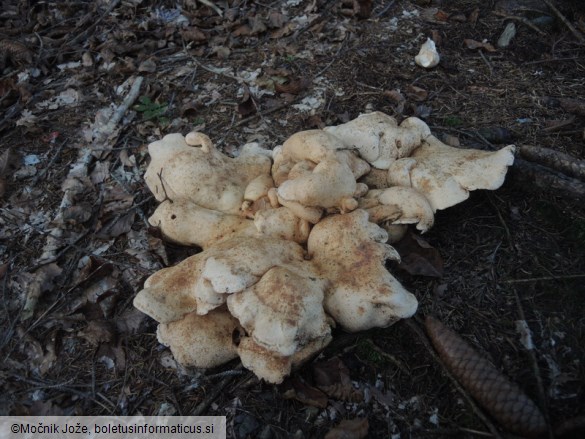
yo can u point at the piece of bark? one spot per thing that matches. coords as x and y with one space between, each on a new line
575 106
559 161
537 176
503 399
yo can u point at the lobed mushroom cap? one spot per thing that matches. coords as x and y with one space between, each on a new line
350 251
283 311
379 139
445 175
194 169
201 341
399 205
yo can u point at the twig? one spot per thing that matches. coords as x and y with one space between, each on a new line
76 39
387 356
261 114
41 175
124 106
213 6
487 62
561 17
79 170
215 392
502 221
386 9
545 61
413 326
538 176
535 368
521 20
545 278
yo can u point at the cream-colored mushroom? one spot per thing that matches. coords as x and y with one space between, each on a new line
379 139
398 205
195 170
203 281
445 175
283 311
350 251
272 367
168 294
201 341
186 223
282 223
253 278
313 172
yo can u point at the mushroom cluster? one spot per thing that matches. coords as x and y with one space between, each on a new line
295 240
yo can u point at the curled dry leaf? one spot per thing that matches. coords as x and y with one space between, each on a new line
297 388
332 377
98 331
247 106
474 45
350 429
416 93
503 399
418 257
293 87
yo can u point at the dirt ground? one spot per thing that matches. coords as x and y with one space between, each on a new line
71 341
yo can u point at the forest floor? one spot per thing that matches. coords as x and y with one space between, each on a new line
72 343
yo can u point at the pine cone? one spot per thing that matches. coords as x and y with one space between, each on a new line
503 399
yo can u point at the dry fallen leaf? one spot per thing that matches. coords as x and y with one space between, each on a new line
296 388
37 283
416 93
332 377
98 331
247 106
293 87
418 257
474 45
350 429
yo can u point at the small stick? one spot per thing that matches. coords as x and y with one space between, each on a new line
521 20
215 392
544 278
535 368
487 62
561 17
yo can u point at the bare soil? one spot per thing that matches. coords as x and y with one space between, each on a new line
261 72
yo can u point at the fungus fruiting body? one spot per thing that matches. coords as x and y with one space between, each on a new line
295 240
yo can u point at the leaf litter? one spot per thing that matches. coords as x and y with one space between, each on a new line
74 242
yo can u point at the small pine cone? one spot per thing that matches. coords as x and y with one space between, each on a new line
503 399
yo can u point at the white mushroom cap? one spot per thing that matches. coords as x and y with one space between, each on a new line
236 264
328 185
378 138
445 175
282 223
201 341
179 167
169 294
272 367
187 223
350 251
399 205
283 322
